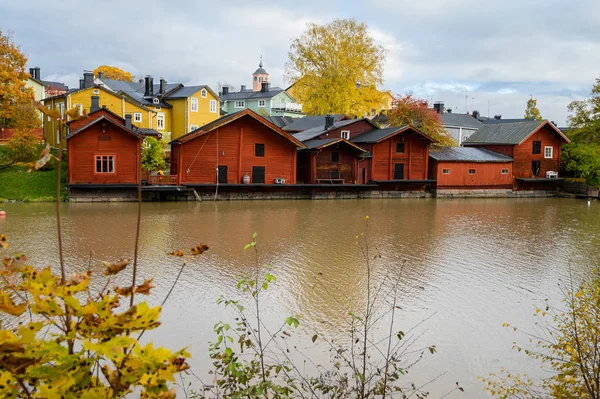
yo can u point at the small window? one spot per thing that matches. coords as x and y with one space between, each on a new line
504 171
262 103
160 121
240 104
193 127
537 147
157 108
213 106
346 134
203 93
548 151
96 91
137 117
259 150
335 157
471 171
194 104
399 148
105 164
156 101
445 171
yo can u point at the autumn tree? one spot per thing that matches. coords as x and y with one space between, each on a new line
111 72
12 77
532 111
409 110
23 144
336 68
152 154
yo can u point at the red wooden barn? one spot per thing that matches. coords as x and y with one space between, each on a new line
104 148
333 160
533 145
232 147
465 168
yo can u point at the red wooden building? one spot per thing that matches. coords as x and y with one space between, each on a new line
333 160
104 149
233 147
533 145
464 168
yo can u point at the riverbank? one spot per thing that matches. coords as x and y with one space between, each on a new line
16 184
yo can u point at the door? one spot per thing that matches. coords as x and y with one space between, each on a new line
364 175
398 171
258 174
535 168
222 174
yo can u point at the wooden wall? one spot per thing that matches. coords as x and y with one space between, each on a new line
232 145
523 154
414 158
84 146
487 174
345 166
355 129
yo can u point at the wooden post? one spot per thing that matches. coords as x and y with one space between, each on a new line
426 160
294 166
390 175
239 180
313 168
409 156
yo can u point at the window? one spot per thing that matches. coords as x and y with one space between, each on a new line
160 121
193 127
548 151
105 163
399 171
137 117
194 104
260 79
240 104
535 168
262 103
157 108
259 150
335 157
471 171
213 106
156 101
203 93
445 171
258 174
399 148
504 171
346 134
537 147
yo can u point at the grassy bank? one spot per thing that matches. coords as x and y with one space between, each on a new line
17 184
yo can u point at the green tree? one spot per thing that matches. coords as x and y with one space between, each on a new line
568 346
532 111
583 159
584 118
336 68
152 154
12 77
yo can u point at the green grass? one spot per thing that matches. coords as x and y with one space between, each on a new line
37 186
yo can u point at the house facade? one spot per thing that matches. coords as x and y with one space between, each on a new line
330 161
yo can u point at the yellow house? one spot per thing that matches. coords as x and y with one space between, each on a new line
193 107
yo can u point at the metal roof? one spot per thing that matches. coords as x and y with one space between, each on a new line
317 131
373 136
281 121
460 120
260 71
319 143
503 133
251 95
468 154
309 122
187 91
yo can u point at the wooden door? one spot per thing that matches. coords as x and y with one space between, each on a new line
398 171
222 174
258 174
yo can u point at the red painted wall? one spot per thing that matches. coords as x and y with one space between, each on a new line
414 158
487 174
356 128
523 154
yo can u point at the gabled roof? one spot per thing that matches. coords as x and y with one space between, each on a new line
249 94
510 133
491 121
460 120
309 122
102 109
281 121
224 120
378 135
468 154
188 91
119 94
115 118
103 118
317 131
318 144
58 85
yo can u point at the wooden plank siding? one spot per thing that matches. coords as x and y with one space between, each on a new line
523 155
233 145
487 175
414 158
356 128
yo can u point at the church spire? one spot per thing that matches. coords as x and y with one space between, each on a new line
260 64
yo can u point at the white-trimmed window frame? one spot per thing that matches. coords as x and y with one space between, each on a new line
548 152
445 171
212 106
262 103
193 127
504 171
156 101
345 134
137 117
194 104
160 117
203 93
239 104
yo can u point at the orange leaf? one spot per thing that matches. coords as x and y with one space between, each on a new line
114 268
199 249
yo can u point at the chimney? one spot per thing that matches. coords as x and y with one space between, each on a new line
329 121
476 114
149 86
438 106
498 117
449 110
88 79
243 88
81 83
225 90
128 121
100 75
163 86
35 73
95 104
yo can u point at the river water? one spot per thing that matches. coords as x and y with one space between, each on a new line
466 266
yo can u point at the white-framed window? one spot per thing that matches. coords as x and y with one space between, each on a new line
548 151
160 121
105 164
61 108
203 93
157 108
156 101
137 117
193 127
262 103
346 134
504 171
445 171
240 104
213 106
194 104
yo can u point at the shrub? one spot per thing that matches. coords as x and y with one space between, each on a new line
23 146
152 154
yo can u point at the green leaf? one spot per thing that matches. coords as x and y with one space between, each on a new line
254 235
265 286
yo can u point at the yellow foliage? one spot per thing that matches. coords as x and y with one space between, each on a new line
12 67
111 72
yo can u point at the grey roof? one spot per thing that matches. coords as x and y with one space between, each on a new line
312 144
503 133
148 132
373 136
185 92
460 120
491 121
260 70
280 121
468 154
317 131
309 122
251 95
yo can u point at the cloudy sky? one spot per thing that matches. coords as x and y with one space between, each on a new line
471 54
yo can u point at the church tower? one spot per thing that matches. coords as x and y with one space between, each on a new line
259 76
